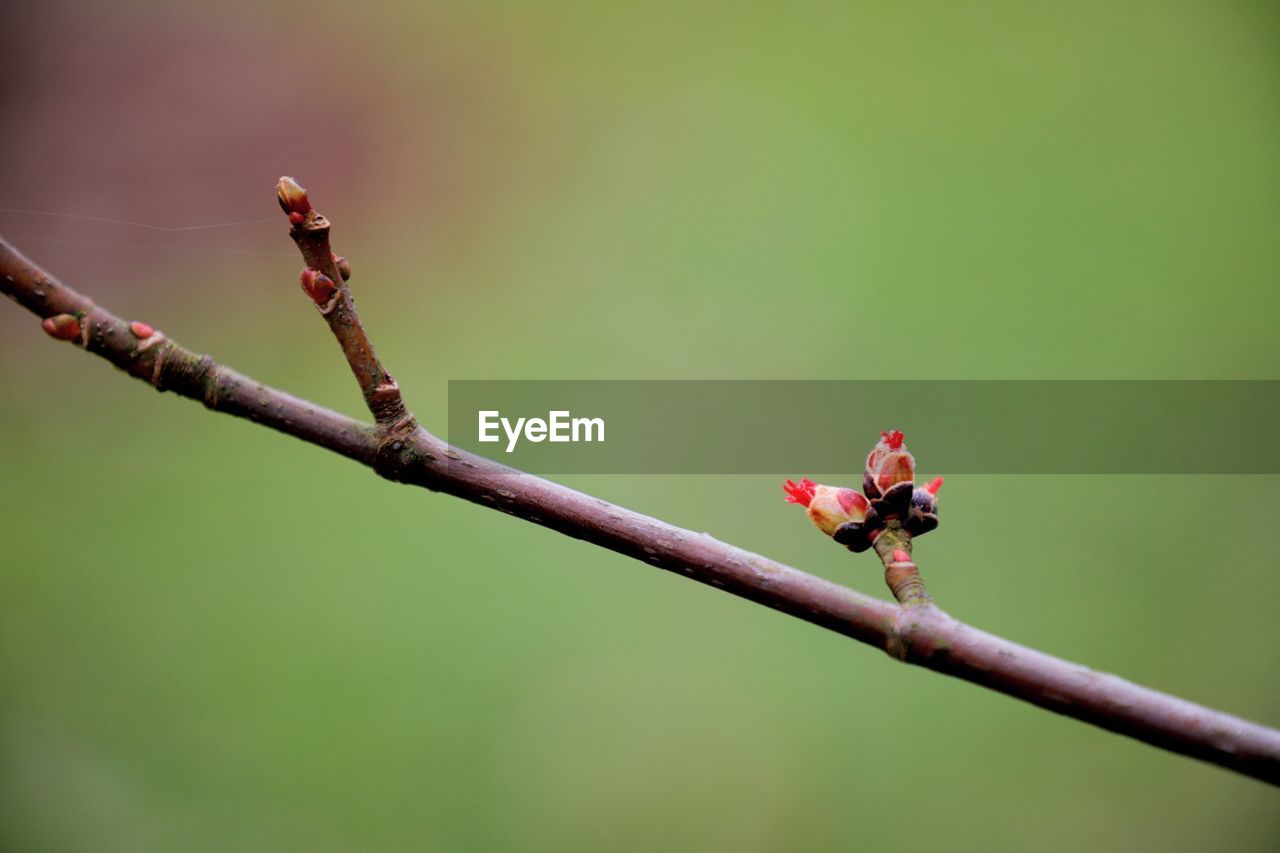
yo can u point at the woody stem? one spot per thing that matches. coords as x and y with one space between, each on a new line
900 572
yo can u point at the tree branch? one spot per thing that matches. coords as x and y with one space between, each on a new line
165 364
400 450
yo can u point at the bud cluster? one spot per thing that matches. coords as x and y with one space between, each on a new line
888 493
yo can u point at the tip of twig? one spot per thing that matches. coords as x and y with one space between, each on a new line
293 198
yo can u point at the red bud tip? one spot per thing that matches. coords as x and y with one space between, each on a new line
888 464
799 493
293 198
297 218
900 556
141 330
933 486
317 285
64 327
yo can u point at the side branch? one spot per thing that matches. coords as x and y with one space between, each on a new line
310 231
921 635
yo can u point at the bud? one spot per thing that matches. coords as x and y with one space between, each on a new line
344 267
888 464
293 198
923 515
317 285
829 507
141 330
64 327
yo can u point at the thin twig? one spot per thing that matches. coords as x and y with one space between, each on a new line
901 574
400 450
310 231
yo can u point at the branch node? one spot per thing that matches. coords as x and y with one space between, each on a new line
157 369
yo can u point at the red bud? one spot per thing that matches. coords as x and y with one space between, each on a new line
141 330
293 198
828 506
64 327
317 285
888 464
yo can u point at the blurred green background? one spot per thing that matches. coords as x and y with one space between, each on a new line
216 638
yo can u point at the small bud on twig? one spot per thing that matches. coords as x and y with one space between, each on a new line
64 327
829 507
141 330
317 285
344 267
888 464
293 199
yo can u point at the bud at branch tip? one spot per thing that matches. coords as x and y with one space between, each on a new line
889 498
293 199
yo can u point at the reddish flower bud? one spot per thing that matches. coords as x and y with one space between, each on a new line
141 330
317 285
888 464
297 218
829 507
891 500
293 198
64 327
